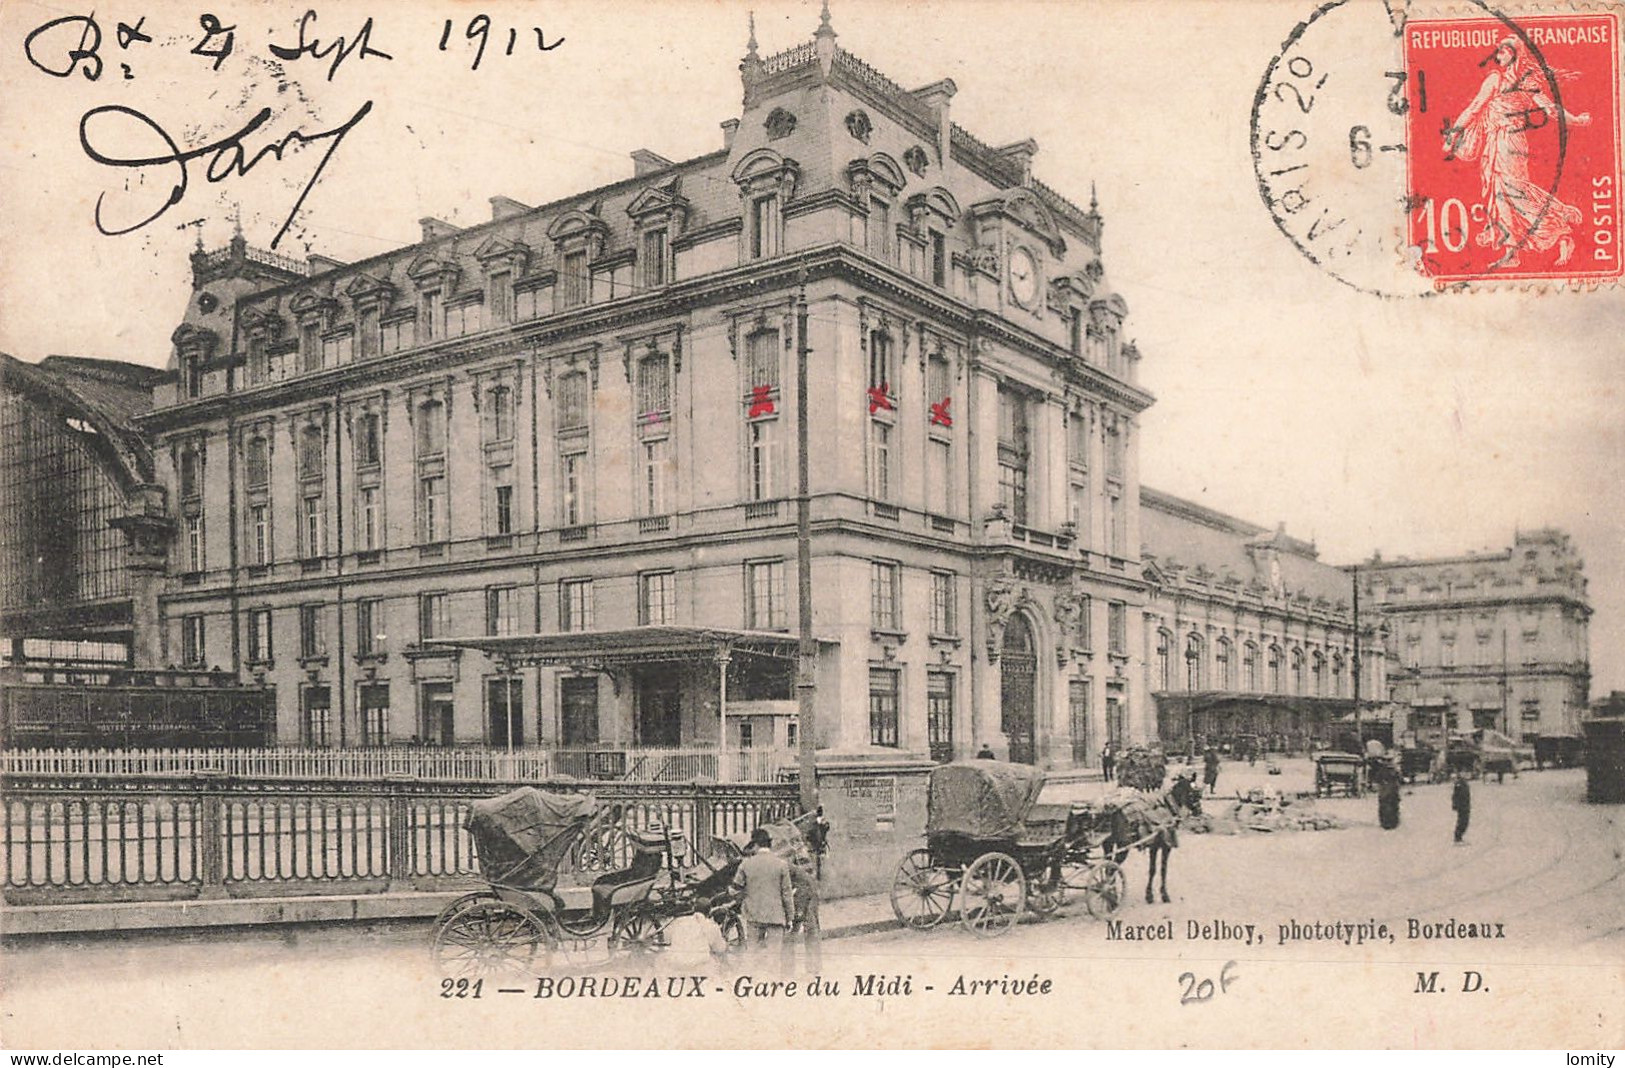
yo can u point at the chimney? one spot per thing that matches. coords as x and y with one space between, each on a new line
1021 154
320 264
506 208
729 128
433 228
936 96
646 162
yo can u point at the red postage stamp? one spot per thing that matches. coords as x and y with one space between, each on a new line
1513 138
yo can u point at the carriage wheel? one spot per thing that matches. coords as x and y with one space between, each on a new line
992 894
1045 897
1105 888
921 894
462 903
489 937
643 934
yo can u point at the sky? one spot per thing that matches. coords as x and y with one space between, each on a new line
1402 424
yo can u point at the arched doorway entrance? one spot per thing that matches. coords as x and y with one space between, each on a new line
1018 675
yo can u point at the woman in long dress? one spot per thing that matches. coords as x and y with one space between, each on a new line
1513 99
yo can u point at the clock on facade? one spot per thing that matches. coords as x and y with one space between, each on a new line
1023 277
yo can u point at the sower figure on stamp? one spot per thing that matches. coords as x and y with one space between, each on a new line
769 896
1461 799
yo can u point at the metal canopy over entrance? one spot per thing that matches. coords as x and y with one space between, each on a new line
633 645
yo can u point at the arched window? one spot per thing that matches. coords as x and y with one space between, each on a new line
1221 664
1275 668
1249 668
1193 662
310 452
257 462
1165 671
431 428
1297 670
1337 675
1317 668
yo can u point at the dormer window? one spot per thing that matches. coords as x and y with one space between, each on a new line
310 346
428 315
574 282
193 374
653 257
767 182
939 259
764 226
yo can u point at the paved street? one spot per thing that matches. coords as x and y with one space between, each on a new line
1540 863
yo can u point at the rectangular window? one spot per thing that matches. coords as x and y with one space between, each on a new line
573 280
883 591
465 318
1013 489
397 335
1117 523
939 387
527 304
368 446
194 543
312 642
370 529
318 716
1077 439
310 347
944 607
939 485
191 474
310 526
880 461
939 259
375 714
1074 331
654 394
572 402
193 652
259 635
653 257
505 708
578 710
259 364
434 616
1014 450
369 626
1078 507
499 295
883 693
573 489
764 238
882 369
257 463
428 316
939 714
501 611
653 481
575 605
764 435
499 414
1077 709
259 534
366 332
1115 454
337 349
432 509
762 361
657 598
764 581
878 232
503 505
1117 628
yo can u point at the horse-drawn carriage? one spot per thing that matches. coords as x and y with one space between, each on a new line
996 850
521 922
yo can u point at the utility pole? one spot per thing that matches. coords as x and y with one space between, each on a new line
1505 724
1359 741
806 682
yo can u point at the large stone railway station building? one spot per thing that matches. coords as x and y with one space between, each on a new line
532 482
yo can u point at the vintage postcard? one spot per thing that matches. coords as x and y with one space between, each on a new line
892 525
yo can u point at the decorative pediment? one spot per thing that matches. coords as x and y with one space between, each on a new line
580 228
365 289
1070 289
1106 308
498 253
430 271
192 340
1023 207
265 322
766 170
935 201
665 201
880 170
308 305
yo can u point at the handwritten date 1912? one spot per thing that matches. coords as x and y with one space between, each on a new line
228 157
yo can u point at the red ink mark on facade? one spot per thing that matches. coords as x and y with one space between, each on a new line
879 400
1513 153
939 413
760 403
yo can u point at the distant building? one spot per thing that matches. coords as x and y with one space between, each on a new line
1492 639
1248 632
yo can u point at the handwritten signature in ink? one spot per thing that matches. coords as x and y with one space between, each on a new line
228 157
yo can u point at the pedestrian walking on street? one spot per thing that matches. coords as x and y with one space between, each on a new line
768 898
985 753
804 919
1210 771
1388 798
1107 759
1461 799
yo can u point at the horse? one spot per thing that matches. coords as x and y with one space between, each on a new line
1151 823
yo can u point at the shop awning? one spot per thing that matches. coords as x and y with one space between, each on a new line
631 645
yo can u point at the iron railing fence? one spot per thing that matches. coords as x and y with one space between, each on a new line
83 838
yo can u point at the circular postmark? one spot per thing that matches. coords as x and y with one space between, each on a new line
1346 123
